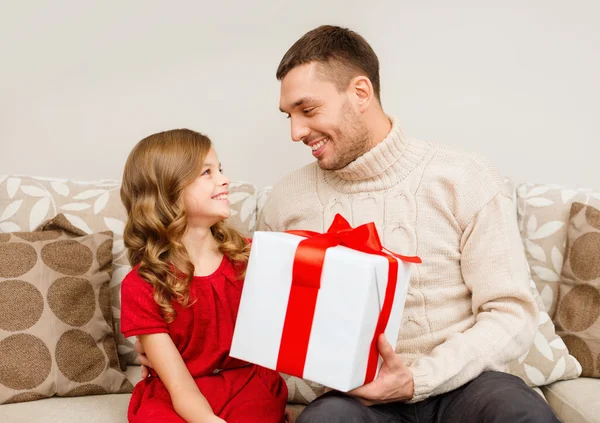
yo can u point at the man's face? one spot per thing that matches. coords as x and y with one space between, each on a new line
323 118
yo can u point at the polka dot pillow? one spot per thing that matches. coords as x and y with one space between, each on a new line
578 307
56 328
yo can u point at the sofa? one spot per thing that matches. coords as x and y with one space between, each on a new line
27 202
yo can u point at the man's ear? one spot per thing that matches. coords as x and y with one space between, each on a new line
362 89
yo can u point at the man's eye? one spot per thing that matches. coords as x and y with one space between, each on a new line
307 111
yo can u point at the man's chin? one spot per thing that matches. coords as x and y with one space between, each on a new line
323 163
328 165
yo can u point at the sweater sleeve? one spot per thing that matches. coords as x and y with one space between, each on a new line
495 270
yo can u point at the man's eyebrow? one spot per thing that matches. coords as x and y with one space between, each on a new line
298 103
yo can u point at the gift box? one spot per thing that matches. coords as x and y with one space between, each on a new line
313 305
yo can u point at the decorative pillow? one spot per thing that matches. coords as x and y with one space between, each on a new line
578 310
543 211
56 328
242 196
302 391
261 198
96 206
548 358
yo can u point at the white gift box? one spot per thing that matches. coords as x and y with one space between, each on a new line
351 294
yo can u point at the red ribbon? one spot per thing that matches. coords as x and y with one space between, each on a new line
306 281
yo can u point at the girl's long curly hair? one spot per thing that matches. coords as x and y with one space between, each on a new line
157 171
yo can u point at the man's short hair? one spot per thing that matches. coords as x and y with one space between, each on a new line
343 54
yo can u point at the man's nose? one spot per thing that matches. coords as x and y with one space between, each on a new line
299 130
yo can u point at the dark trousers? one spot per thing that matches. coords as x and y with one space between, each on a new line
493 397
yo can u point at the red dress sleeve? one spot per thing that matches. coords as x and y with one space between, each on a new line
140 315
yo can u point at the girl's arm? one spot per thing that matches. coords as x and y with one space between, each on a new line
187 399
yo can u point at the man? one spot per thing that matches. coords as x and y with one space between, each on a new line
469 310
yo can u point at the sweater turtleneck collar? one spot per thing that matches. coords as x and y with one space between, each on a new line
385 165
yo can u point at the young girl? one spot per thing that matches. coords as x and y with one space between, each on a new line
182 295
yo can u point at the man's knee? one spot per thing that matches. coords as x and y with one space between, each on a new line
332 408
530 408
505 397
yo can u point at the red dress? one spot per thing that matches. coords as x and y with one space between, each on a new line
202 332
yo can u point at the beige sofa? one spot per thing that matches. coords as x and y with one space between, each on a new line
574 401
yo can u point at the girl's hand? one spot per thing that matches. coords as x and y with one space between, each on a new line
289 417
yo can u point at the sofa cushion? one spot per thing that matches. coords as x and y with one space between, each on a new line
89 409
543 212
95 206
548 358
575 401
92 409
55 309
242 197
577 316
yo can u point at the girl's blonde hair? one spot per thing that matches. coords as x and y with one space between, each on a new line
157 171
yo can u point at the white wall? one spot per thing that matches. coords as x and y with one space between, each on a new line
81 82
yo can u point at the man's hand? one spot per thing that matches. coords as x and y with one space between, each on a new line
289 417
393 383
212 419
146 365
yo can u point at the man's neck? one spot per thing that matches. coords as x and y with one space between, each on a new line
389 161
380 126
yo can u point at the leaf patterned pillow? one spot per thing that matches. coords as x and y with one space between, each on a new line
548 359
261 199
242 196
95 206
543 212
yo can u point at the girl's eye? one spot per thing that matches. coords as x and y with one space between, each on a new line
206 172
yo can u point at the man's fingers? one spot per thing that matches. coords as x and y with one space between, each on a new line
141 356
361 391
360 394
385 349
145 372
138 346
356 392
365 402
144 360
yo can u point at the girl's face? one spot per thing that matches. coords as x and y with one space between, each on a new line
205 199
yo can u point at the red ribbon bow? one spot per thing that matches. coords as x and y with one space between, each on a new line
306 281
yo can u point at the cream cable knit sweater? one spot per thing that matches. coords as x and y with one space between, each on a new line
469 308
